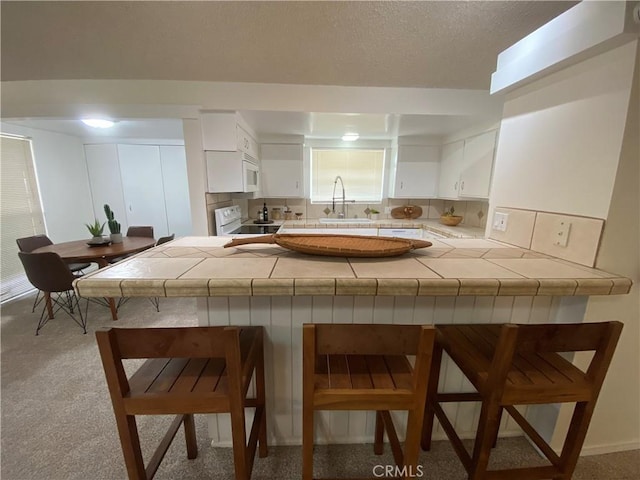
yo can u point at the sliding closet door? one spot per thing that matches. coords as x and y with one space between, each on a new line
176 189
142 186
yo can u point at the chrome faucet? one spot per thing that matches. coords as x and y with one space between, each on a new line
333 197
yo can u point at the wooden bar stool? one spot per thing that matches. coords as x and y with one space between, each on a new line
521 365
365 367
190 370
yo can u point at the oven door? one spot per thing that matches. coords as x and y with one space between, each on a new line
250 176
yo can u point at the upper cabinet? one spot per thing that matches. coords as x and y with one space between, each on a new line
224 132
416 172
281 170
466 167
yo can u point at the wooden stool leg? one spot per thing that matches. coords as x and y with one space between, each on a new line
307 443
575 436
260 396
495 439
412 441
378 444
239 438
130 443
488 425
190 436
432 397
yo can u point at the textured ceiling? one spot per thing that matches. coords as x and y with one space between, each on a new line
393 44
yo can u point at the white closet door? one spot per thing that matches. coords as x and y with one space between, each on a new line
142 185
105 182
176 189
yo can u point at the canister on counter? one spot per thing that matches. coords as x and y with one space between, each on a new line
276 213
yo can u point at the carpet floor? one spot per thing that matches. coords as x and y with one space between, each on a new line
58 424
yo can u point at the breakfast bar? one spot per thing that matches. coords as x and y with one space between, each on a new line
456 280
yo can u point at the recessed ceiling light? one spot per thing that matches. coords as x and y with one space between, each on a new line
350 137
97 122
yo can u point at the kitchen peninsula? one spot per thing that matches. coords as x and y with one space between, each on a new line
457 280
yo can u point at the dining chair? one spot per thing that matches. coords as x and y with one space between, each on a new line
51 275
166 239
365 367
29 244
188 370
140 231
511 365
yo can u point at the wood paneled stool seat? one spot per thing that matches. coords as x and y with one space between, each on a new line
365 367
189 370
521 365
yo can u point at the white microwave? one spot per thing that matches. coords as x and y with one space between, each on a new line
250 176
232 172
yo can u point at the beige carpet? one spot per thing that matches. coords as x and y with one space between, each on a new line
57 422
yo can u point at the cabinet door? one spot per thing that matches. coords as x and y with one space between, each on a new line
105 182
417 171
142 186
219 131
475 177
281 170
450 166
176 189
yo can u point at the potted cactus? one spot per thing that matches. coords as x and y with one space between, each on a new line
95 229
114 226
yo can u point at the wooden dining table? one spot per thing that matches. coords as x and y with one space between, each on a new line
79 251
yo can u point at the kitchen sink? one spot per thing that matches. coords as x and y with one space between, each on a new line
346 220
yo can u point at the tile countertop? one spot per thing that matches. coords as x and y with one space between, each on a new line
459 231
200 267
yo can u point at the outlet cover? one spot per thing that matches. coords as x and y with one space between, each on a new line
500 221
561 233
387 209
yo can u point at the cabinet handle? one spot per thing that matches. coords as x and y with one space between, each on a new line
455 186
462 186
401 185
296 185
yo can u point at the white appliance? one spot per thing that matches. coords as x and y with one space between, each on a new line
228 220
232 172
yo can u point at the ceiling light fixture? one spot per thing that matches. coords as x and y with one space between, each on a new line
98 122
350 137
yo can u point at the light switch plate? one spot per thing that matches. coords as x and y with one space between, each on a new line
500 221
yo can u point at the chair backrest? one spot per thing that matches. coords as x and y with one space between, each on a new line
601 338
162 240
47 271
140 231
29 244
366 339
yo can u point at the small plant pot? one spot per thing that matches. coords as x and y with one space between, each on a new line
116 238
450 220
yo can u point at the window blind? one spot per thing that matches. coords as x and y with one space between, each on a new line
20 211
361 170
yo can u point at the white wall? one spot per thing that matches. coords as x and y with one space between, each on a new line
616 421
63 180
569 143
560 138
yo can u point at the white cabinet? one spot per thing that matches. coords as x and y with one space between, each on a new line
475 177
143 184
450 165
466 167
281 170
222 132
417 171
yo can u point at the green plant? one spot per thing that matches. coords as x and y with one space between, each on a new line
449 212
373 210
114 227
95 229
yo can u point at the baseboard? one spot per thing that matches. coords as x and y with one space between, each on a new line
610 448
